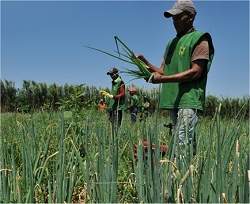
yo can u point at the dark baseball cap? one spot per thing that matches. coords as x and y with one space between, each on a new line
179 7
113 71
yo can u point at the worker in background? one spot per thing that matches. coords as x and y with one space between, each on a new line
133 103
117 97
145 108
102 105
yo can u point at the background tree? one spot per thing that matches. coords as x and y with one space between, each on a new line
35 96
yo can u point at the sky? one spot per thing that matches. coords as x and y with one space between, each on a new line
43 40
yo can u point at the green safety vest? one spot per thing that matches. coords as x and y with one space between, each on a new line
134 100
178 59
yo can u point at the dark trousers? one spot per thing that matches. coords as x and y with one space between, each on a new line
133 114
115 117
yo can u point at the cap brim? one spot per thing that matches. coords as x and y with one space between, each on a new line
112 73
172 12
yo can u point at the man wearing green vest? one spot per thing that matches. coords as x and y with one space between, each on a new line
183 72
117 97
133 104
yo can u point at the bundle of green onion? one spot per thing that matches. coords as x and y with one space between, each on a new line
128 56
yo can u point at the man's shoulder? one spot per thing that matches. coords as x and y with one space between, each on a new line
203 35
136 96
196 34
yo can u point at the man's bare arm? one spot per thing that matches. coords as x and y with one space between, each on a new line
195 72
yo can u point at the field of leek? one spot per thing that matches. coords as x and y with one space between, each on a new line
56 157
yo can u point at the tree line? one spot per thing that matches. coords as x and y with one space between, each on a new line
33 96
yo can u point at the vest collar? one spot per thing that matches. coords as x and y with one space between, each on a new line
117 80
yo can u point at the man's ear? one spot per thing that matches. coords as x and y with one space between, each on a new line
191 19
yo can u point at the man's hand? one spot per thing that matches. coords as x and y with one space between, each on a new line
152 68
142 58
155 78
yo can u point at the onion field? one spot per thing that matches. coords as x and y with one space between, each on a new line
78 157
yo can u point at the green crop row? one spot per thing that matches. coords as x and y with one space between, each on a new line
79 157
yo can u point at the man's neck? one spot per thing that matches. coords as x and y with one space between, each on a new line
179 35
